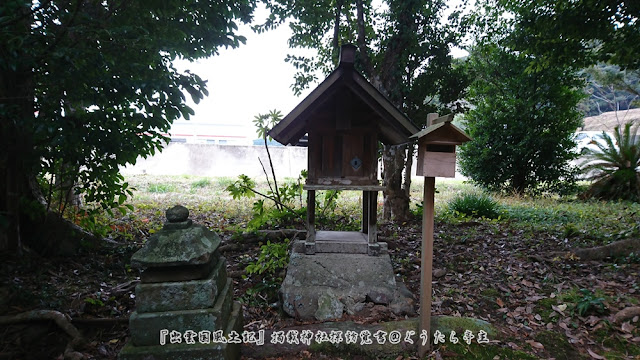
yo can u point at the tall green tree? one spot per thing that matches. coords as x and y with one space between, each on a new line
87 87
403 51
522 119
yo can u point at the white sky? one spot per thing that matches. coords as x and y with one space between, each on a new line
248 80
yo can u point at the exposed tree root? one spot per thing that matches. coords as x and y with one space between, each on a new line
626 313
60 320
615 249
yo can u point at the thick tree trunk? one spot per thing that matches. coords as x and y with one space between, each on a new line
411 148
16 149
24 220
396 201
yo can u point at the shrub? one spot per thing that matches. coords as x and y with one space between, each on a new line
615 167
522 122
273 257
476 205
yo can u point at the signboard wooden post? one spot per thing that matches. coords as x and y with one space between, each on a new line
426 254
427 263
436 157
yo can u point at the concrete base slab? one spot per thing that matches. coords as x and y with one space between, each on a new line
183 351
322 285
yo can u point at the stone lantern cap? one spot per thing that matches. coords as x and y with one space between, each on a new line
180 245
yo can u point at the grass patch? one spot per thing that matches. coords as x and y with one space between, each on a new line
585 223
161 188
201 183
581 223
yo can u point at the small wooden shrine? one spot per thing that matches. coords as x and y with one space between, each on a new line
344 118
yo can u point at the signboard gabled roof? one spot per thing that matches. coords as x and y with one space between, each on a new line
442 131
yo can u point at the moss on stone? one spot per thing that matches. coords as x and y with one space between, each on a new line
485 351
618 346
446 324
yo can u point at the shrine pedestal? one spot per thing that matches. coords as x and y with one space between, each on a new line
323 286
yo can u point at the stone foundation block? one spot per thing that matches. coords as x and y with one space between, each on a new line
195 351
185 295
145 327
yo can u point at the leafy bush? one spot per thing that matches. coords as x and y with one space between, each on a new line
615 168
476 205
273 257
522 122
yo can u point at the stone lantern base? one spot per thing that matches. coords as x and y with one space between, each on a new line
196 351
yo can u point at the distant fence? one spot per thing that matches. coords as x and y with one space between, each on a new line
221 160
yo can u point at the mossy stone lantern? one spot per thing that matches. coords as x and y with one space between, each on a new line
184 294
344 118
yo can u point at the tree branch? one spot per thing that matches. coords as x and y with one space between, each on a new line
336 31
362 45
273 172
268 197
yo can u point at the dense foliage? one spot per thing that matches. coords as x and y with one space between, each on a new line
521 122
86 87
477 205
578 33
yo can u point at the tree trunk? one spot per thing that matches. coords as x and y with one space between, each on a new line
24 220
396 201
16 150
411 149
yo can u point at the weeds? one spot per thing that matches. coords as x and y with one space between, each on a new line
161 188
202 183
476 205
590 304
272 258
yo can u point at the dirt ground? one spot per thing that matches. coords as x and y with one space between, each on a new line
486 269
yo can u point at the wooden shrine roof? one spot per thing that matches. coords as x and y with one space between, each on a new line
393 126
